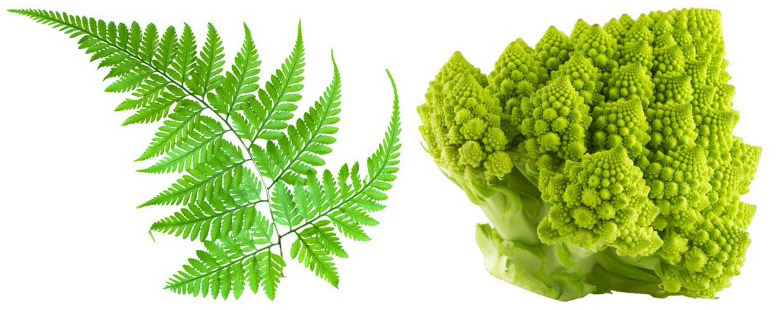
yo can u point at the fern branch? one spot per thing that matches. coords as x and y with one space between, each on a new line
386 155
55 19
311 132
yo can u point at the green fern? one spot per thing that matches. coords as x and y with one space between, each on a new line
239 149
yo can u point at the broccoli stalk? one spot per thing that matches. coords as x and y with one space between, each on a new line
514 253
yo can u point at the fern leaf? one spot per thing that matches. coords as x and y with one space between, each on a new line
330 188
383 163
283 207
280 95
261 230
269 274
130 81
348 227
145 94
358 215
323 234
205 179
303 201
149 43
217 216
313 256
150 113
158 109
181 122
128 51
301 148
192 149
184 62
209 64
222 268
240 81
243 77
360 196
167 50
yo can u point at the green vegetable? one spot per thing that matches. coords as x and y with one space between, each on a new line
605 160
239 147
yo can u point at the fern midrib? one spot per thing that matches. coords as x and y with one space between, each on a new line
278 97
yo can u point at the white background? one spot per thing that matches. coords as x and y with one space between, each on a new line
72 237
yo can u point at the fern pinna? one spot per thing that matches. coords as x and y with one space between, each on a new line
238 148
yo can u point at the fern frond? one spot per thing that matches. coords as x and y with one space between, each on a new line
279 97
302 201
149 43
169 78
154 111
348 227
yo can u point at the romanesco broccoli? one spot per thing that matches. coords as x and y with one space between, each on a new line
604 160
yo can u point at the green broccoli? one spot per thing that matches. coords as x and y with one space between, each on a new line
605 160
